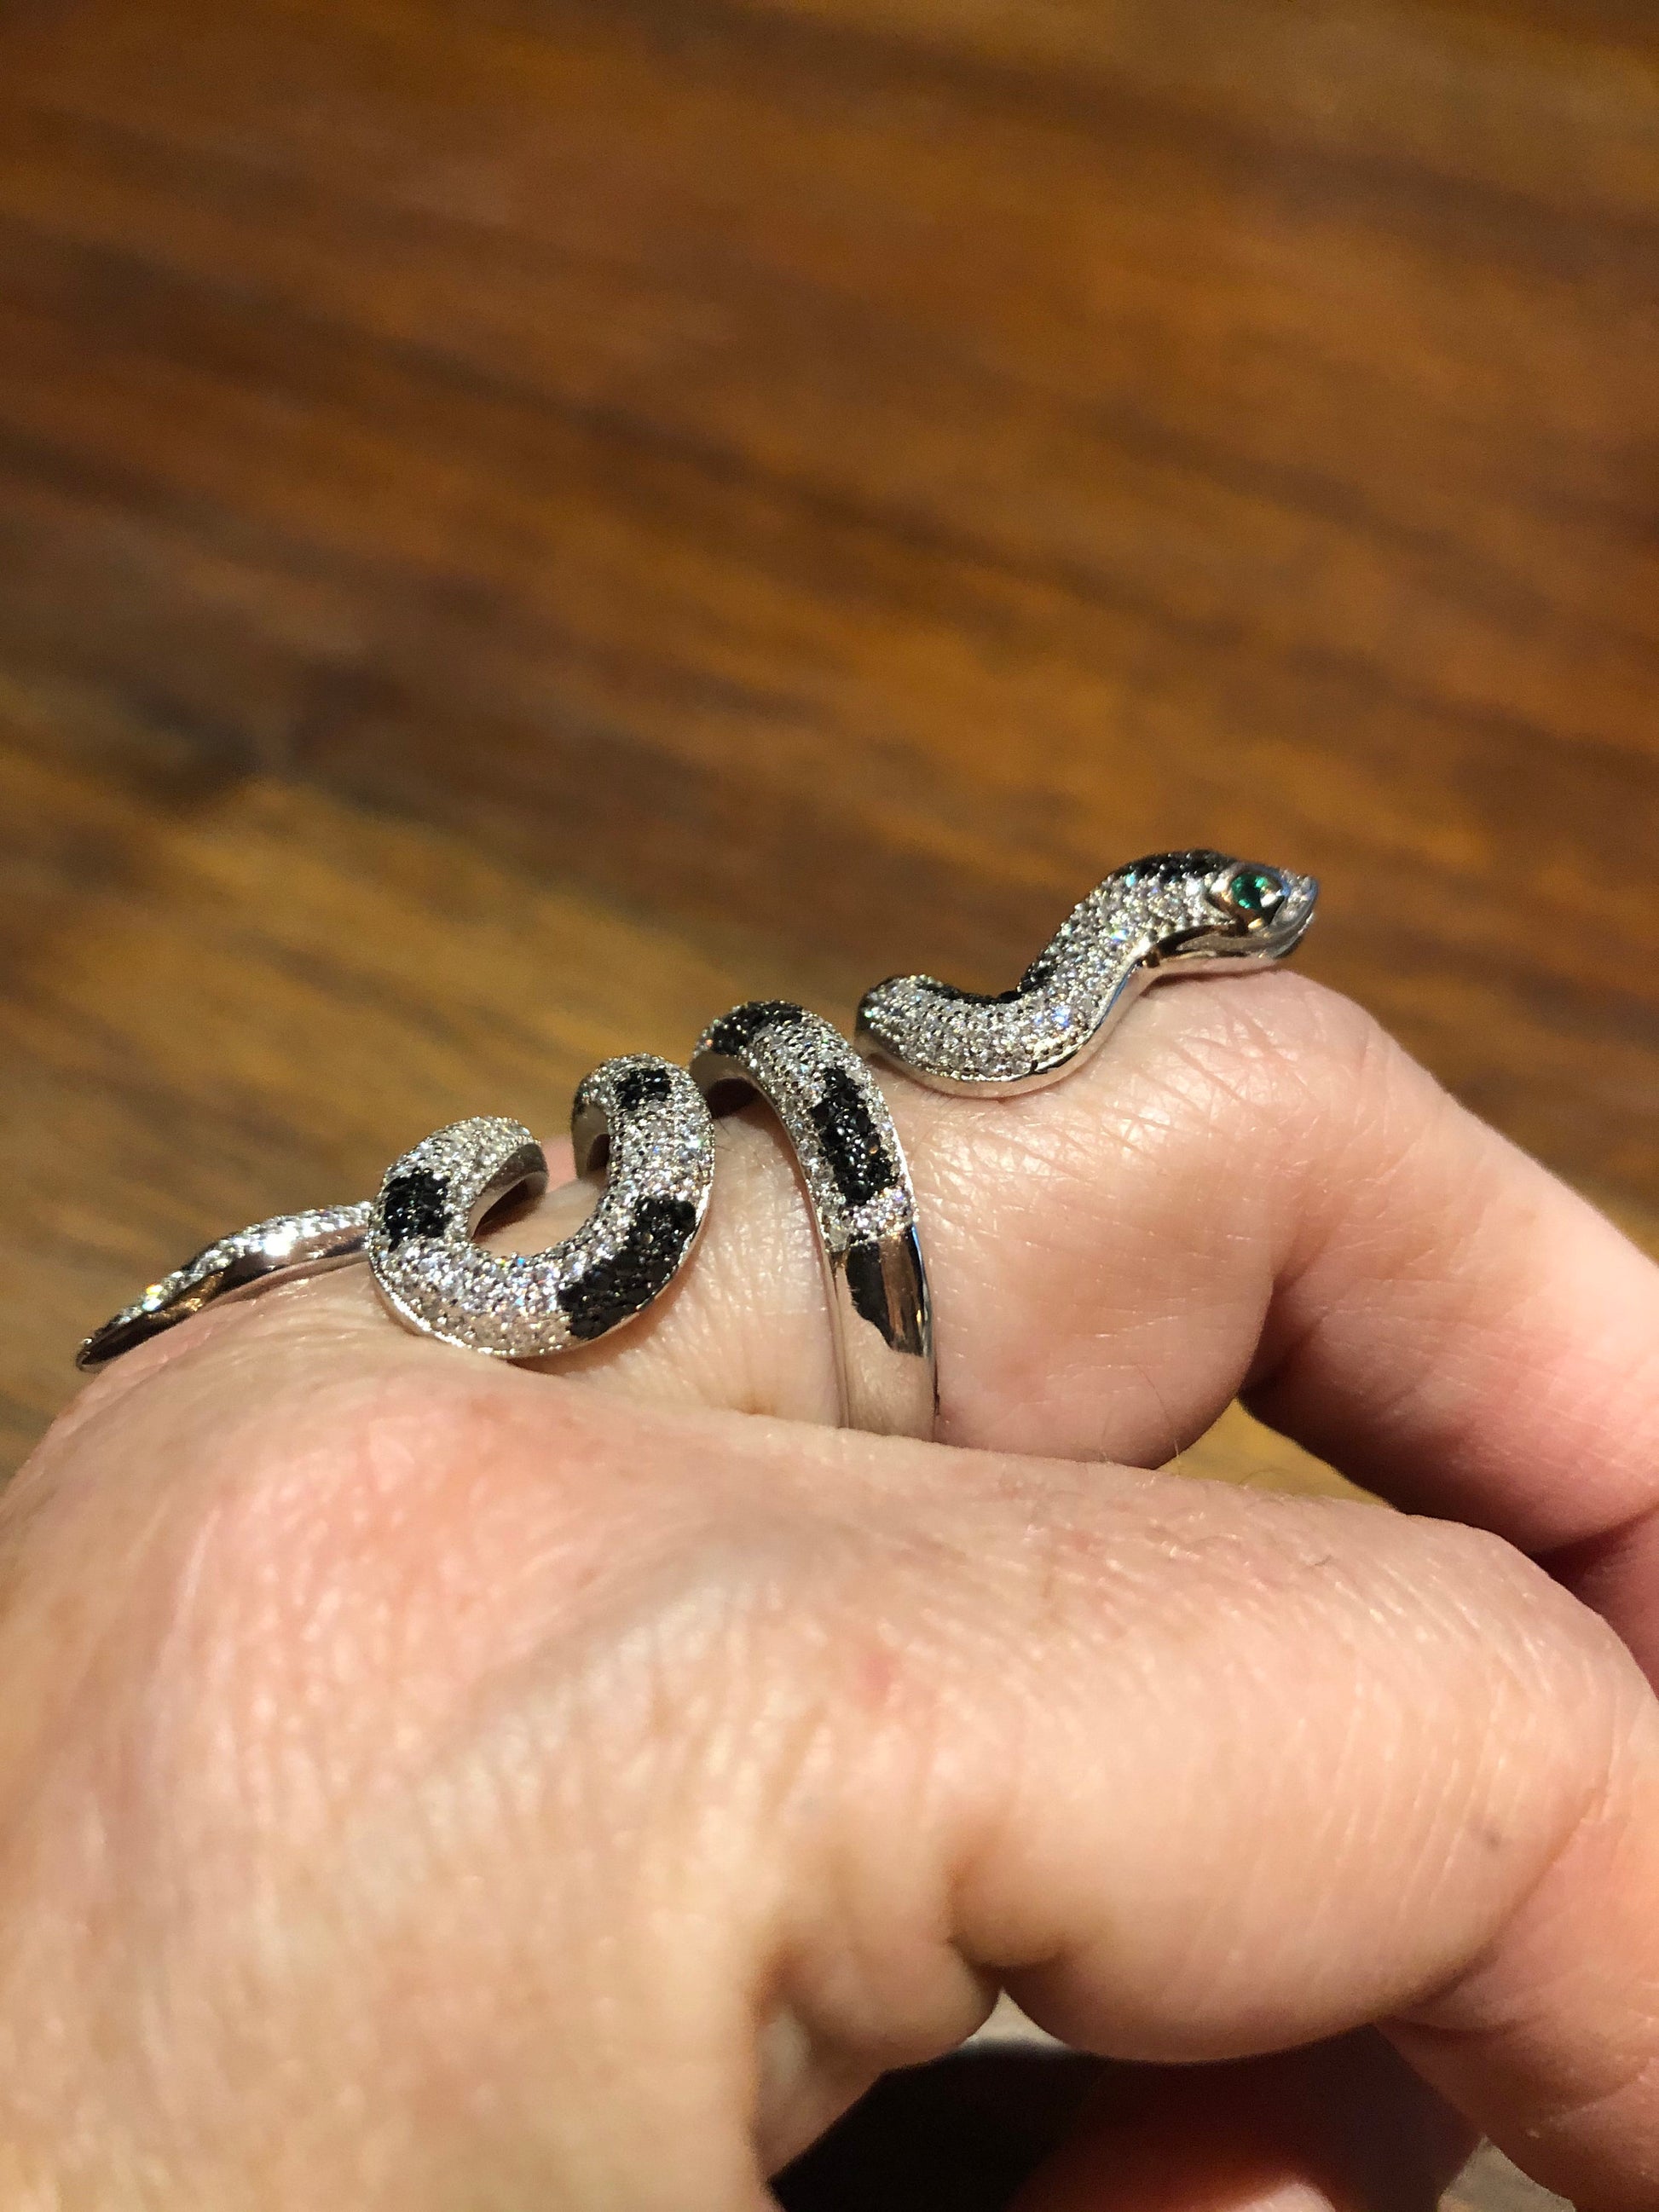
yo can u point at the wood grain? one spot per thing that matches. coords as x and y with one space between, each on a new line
523 522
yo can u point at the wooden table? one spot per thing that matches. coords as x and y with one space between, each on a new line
523 523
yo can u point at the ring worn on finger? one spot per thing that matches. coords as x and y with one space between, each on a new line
649 1123
858 1185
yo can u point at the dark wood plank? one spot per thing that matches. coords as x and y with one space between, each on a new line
859 468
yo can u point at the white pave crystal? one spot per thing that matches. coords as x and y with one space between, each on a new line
792 1060
526 1305
1138 922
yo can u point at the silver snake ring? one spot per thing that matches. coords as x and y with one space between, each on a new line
1174 914
648 1124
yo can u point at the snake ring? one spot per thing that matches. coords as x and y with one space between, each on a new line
650 1126
643 1115
1173 914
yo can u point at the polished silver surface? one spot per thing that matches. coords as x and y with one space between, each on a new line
644 1116
1169 915
857 1186
279 1250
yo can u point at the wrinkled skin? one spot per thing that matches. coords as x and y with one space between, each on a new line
429 1784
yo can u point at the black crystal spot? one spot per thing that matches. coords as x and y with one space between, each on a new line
735 1031
1173 868
643 1086
414 1204
952 996
853 1145
1039 972
627 1282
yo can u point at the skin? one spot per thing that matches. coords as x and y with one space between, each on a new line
432 1784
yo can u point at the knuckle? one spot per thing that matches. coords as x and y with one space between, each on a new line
1284 1042
314 1590
1332 1115
1545 1651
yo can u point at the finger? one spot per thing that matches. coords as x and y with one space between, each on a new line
1252 1188
744 1760
1343 2127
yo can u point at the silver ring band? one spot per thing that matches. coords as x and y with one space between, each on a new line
857 1187
279 1250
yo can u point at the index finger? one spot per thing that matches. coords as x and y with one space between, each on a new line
1258 1189
1253 1190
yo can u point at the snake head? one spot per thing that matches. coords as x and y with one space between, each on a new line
1233 911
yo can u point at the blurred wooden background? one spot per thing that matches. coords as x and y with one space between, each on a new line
524 522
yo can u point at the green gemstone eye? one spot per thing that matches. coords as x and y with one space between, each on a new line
1254 892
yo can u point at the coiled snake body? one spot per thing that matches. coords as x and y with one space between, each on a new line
649 1123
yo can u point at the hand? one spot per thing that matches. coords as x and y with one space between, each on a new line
430 1784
